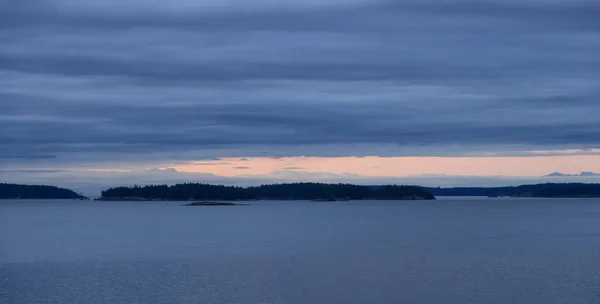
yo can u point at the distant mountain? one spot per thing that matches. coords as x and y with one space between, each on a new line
558 174
585 173
539 190
14 191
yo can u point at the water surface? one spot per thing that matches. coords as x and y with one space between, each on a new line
446 251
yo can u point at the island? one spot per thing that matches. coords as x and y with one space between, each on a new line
205 203
16 191
291 191
547 190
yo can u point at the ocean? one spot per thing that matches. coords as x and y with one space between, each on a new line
297 252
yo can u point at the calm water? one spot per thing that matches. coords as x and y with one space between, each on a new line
447 251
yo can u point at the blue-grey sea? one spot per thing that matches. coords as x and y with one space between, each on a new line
504 251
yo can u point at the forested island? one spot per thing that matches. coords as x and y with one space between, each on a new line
538 190
293 191
15 191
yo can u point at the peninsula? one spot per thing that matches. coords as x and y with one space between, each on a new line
16 191
566 190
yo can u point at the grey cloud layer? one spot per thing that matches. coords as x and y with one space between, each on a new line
160 82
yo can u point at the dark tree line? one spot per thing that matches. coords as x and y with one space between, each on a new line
179 192
293 191
14 191
537 190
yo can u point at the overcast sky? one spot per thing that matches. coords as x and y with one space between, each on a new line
132 84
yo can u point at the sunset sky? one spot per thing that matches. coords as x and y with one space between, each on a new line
399 166
96 93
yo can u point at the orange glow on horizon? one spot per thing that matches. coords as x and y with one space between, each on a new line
399 166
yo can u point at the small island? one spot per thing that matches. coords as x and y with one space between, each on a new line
204 203
16 191
293 191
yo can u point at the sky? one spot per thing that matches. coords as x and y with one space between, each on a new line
455 92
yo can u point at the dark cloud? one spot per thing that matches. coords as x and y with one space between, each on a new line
241 168
292 15
97 83
33 171
26 156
